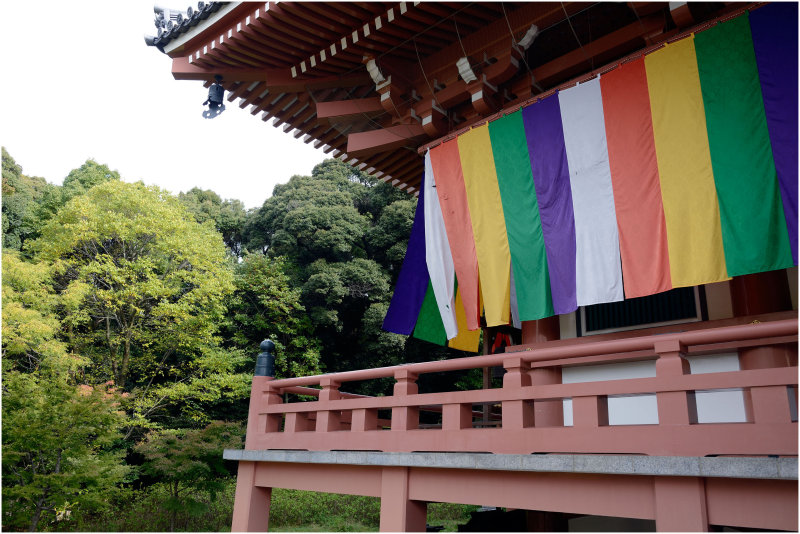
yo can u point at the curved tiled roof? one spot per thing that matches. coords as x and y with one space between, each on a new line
171 24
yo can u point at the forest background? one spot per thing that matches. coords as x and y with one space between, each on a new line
131 321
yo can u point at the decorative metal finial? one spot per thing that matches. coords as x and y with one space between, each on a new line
265 363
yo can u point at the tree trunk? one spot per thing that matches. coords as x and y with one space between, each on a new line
126 357
174 513
39 508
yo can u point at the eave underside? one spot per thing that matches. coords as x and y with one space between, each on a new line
304 65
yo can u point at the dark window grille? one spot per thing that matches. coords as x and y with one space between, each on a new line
674 305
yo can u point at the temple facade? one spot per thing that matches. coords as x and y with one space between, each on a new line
613 186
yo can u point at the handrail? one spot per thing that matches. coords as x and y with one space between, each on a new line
633 344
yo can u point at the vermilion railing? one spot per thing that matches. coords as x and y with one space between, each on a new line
341 421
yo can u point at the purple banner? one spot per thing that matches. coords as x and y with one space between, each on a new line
412 282
551 179
774 29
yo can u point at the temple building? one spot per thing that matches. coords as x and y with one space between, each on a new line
607 198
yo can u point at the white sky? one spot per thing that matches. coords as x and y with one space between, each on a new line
77 81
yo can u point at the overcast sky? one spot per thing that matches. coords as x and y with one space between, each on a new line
79 82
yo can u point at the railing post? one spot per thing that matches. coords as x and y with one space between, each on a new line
680 504
261 396
517 414
251 503
398 512
674 407
405 417
328 420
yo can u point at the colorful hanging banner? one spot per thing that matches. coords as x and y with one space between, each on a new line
466 340
523 225
548 154
691 209
598 274
774 34
412 282
437 254
488 223
744 170
446 163
676 169
635 180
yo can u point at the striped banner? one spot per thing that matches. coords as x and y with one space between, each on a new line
672 170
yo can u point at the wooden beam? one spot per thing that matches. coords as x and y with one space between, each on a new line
494 36
364 144
276 79
348 110
635 30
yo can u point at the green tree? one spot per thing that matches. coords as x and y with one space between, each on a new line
265 306
57 435
189 462
228 215
76 183
150 285
343 235
22 196
58 454
30 326
388 237
308 219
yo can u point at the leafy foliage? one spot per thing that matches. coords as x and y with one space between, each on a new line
228 215
189 462
75 184
58 454
30 325
133 315
265 306
22 196
343 235
152 284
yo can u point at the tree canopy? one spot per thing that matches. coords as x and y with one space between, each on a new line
132 320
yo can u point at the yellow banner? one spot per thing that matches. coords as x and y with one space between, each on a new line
467 340
488 223
689 196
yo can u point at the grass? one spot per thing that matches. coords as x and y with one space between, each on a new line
291 511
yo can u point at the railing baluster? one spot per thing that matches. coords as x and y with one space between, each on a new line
364 419
590 411
547 412
405 417
517 413
456 416
674 407
297 422
328 420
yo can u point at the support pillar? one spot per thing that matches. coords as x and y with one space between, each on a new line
680 504
398 512
251 503
755 294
